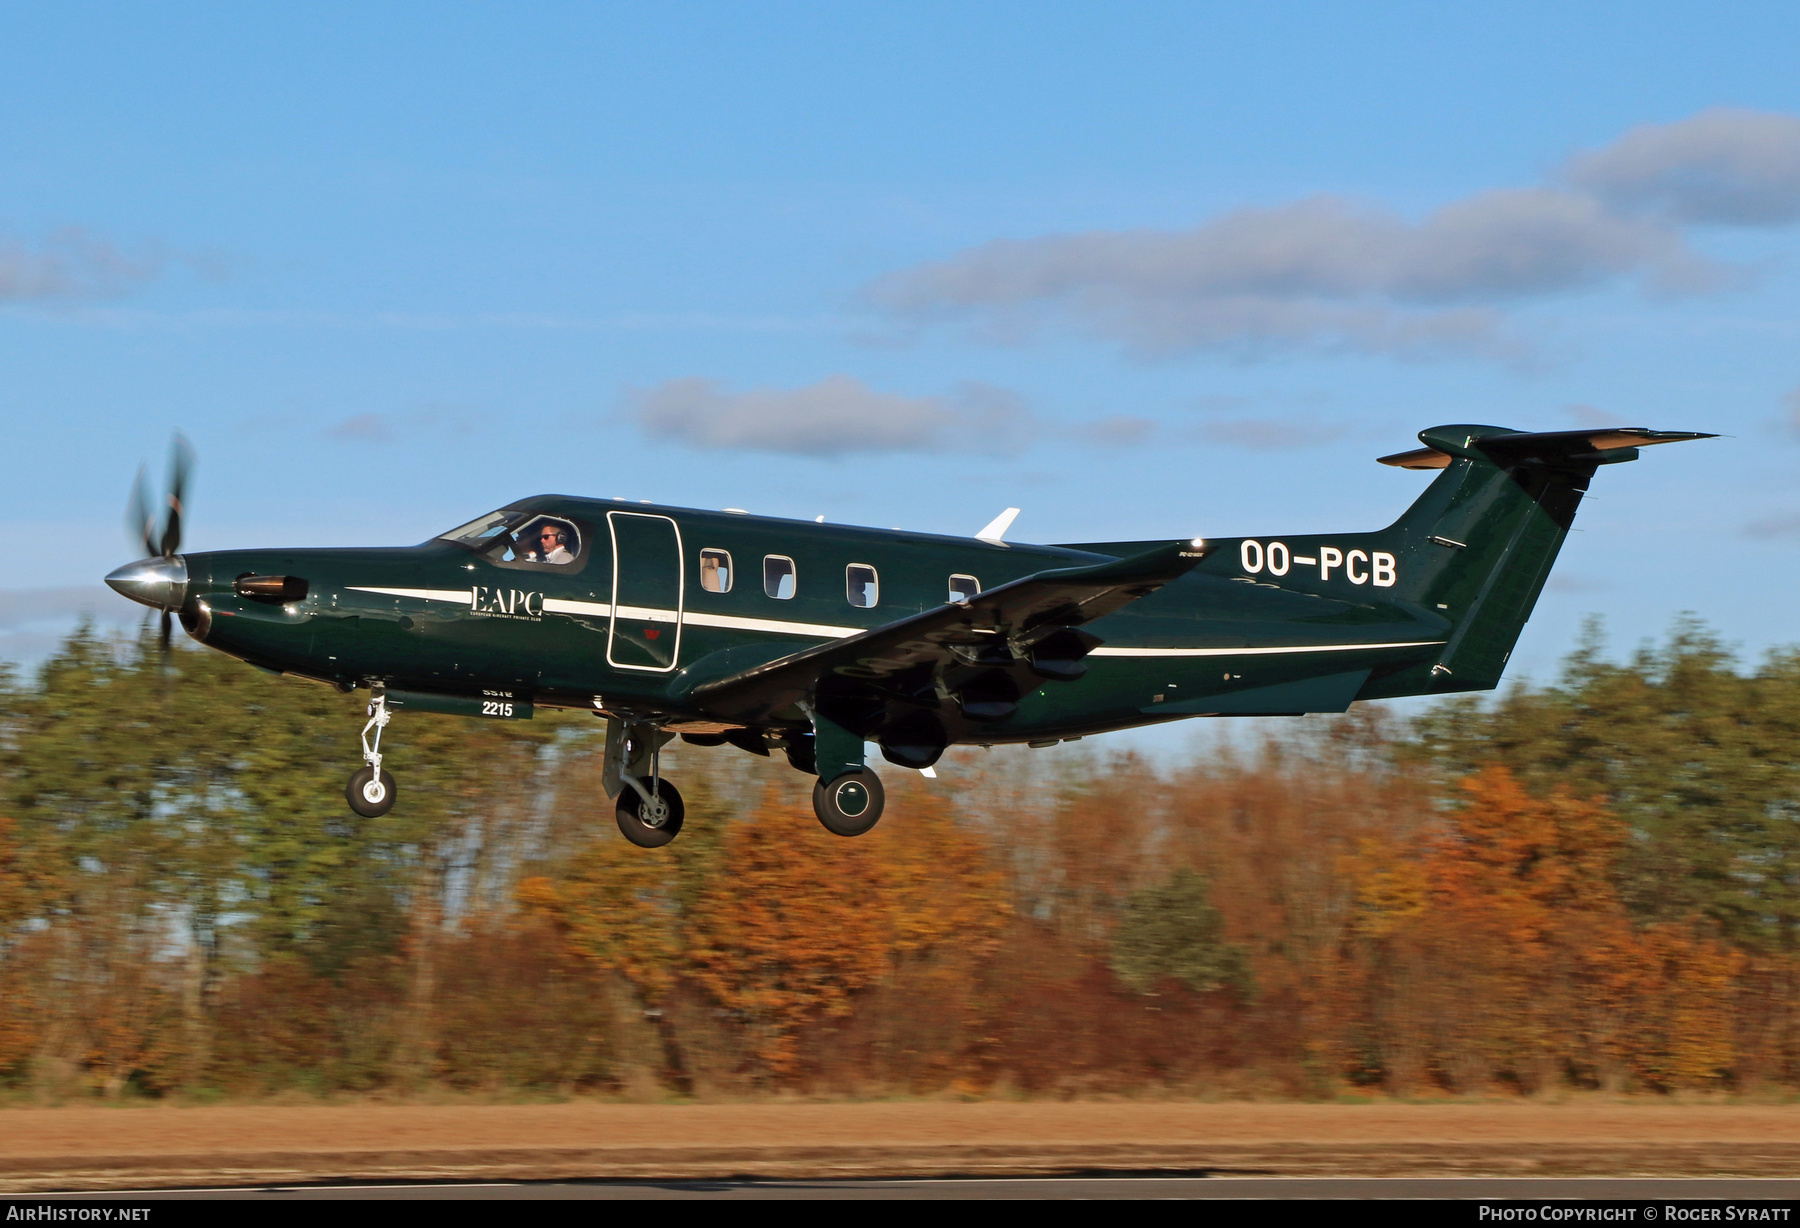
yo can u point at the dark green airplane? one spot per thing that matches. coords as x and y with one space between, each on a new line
765 633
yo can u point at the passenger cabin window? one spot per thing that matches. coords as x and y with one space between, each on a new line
715 571
964 588
778 576
862 586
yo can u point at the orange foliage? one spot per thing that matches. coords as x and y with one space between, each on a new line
796 924
617 908
1502 951
964 944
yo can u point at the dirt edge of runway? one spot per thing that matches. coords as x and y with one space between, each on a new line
43 1174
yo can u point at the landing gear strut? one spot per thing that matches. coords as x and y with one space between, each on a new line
848 797
650 810
371 788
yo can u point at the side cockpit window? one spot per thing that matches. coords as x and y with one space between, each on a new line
715 570
549 540
513 538
778 576
964 588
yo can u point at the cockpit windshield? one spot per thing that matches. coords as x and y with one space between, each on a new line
482 530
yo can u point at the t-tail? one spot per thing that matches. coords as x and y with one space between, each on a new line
1478 545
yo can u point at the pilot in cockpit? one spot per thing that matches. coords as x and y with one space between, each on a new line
548 543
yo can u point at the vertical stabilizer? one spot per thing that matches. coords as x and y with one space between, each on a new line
1478 545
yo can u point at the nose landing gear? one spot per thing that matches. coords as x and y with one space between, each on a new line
371 788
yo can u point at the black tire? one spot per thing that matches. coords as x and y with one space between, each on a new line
362 785
851 803
646 835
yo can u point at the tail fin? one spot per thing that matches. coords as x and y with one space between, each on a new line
1477 546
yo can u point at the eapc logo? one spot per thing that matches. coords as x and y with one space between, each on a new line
506 603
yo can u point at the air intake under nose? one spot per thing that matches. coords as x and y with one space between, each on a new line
159 583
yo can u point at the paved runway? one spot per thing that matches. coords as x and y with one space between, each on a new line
1163 1187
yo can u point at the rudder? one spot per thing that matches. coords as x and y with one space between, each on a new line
1479 543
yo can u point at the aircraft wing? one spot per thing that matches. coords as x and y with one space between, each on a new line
993 629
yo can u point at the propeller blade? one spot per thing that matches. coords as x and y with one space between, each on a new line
140 521
181 463
165 635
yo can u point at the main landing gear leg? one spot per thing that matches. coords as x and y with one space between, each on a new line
650 810
848 797
371 789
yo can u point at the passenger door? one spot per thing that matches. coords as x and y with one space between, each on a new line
648 579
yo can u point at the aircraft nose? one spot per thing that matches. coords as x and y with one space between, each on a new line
161 583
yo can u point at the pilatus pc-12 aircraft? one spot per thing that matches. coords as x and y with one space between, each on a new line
763 633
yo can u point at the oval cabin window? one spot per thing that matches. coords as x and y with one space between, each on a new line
778 576
715 571
862 586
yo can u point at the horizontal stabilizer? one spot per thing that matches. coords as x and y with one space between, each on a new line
1503 447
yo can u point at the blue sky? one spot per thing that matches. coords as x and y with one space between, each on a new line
1142 270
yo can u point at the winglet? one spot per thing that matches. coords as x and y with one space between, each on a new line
995 533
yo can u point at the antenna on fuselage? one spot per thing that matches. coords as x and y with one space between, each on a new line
995 533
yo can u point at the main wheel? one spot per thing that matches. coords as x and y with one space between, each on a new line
850 804
651 827
369 797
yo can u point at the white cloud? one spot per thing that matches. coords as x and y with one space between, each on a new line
1776 524
71 265
25 607
1115 431
1270 434
385 428
1593 415
1330 274
1724 165
34 622
363 428
1324 273
837 416
1566 582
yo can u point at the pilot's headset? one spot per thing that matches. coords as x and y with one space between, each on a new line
560 536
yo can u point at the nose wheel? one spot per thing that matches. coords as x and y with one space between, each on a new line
371 788
370 794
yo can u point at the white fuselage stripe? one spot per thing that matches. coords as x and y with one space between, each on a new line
462 596
593 609
732 623
1253 652
771 626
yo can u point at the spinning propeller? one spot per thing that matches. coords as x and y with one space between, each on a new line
159 581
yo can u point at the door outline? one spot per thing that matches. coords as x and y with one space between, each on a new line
612 629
